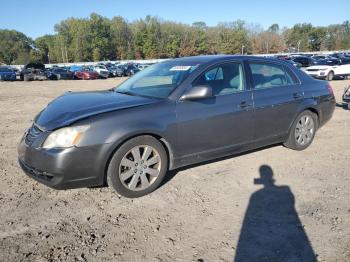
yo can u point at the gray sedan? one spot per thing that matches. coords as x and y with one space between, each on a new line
173 114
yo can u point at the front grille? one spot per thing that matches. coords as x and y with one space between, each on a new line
6 77
32 134
312 70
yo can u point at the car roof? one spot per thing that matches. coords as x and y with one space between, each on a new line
204 59
35 65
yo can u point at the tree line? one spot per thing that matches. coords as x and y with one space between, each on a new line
98 38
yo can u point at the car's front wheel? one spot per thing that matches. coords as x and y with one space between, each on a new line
138 167
302 131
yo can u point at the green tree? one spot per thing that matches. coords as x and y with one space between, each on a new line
15 47
274 28
232 37
122 38
298 36
97 38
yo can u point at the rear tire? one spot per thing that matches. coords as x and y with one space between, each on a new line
138 167
303 131
330 76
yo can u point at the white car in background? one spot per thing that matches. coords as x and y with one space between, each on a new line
142 66
101 70
329 68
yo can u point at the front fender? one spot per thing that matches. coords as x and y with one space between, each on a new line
114 128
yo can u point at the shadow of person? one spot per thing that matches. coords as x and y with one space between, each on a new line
271 229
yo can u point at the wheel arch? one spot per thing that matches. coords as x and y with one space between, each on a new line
167 146
310 105
316 112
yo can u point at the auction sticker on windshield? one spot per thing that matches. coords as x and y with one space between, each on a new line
180 68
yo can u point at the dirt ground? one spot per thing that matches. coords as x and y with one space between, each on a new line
213 212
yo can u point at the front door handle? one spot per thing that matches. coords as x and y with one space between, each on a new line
245 104
297 95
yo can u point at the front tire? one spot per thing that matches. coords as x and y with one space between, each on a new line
303 131
138 167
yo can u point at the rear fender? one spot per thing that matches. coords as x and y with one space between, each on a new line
307 104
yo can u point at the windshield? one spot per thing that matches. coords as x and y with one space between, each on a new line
157 81
61 70
5 69
87 69
328 62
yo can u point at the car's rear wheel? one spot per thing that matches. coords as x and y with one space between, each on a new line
302 131
138 167
330 76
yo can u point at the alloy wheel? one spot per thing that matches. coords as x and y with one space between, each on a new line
139 167
304 130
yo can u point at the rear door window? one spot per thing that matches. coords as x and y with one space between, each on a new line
268 75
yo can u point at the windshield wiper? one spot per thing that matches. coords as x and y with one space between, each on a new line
135 94
126 93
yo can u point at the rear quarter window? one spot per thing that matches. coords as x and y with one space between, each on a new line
268 75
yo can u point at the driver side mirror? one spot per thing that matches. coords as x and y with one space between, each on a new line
197 92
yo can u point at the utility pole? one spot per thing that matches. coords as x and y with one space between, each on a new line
267 47
65 47
48 56
243 49
299 45
62 54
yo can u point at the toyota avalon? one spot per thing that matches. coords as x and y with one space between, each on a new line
170 115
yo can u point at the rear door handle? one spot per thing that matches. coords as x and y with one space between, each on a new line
245 104
297 95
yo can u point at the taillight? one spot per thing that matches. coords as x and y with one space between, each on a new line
347 91
329 87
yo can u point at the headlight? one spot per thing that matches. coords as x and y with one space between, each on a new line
64 137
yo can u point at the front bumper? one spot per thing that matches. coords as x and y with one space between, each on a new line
64 168
317 74
66 77
8 77
91 77
103 75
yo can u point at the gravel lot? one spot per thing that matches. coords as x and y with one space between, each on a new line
212 212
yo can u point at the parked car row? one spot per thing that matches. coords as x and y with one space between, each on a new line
37 71
328 67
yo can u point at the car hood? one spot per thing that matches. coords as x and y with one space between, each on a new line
7 73
88 72
65 73
74 106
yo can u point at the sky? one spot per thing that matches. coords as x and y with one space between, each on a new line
38 17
